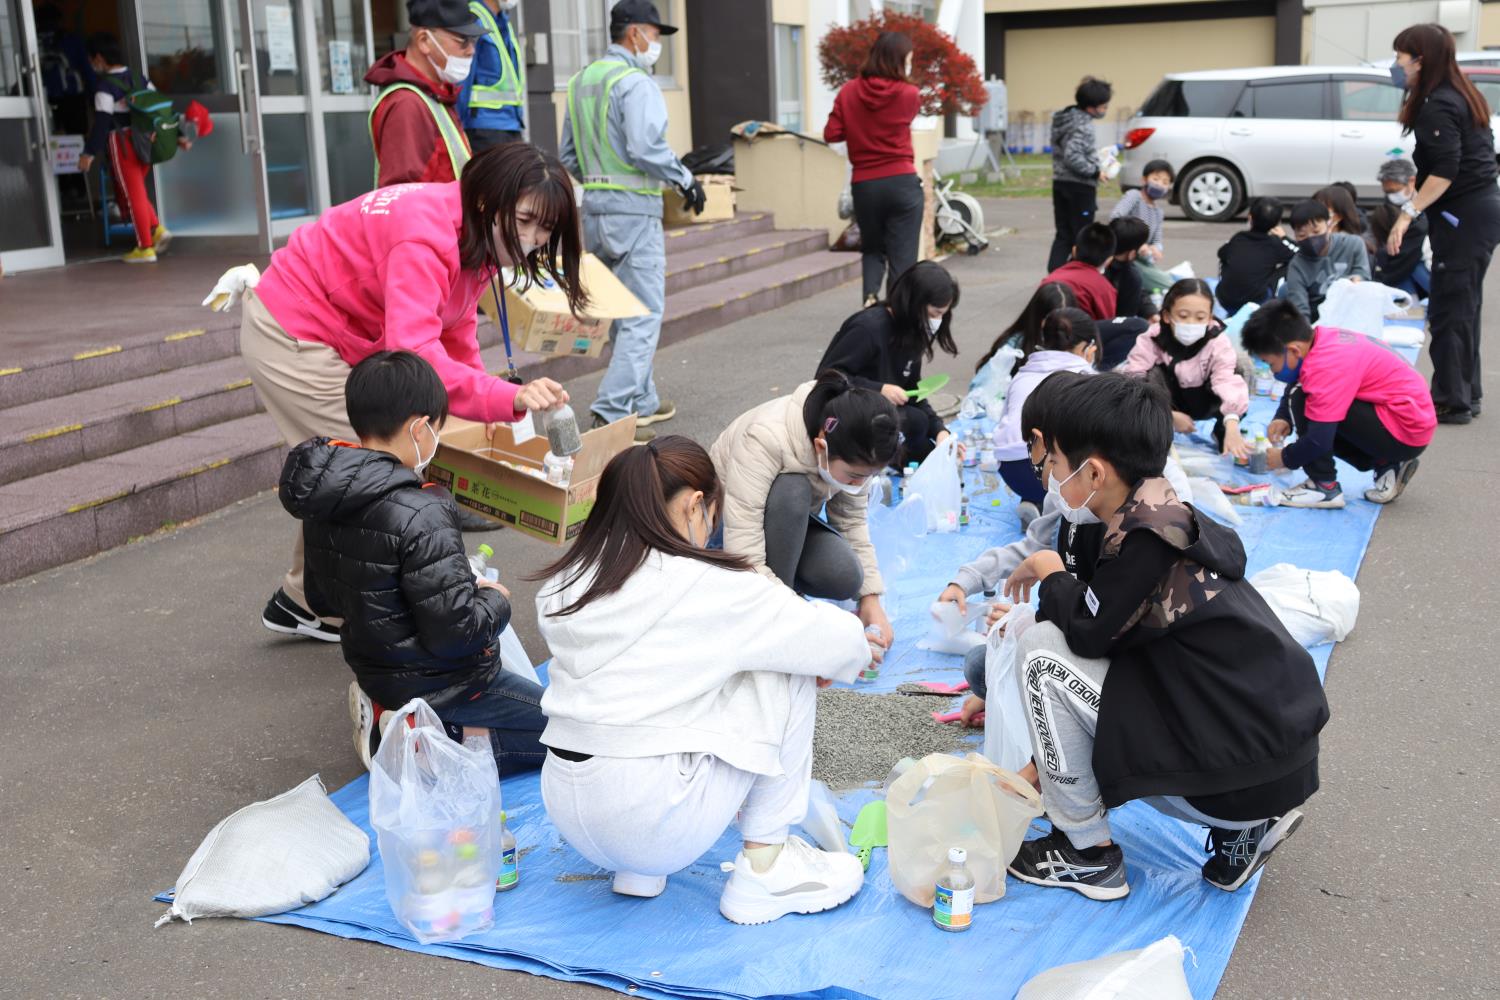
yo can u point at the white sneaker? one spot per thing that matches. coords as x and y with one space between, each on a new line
802 879
1390 483
362 714
1310 494
644 886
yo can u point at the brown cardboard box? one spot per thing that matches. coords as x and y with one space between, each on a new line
540 322
719 189
469 463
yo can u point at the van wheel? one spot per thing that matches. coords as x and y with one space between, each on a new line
1210 192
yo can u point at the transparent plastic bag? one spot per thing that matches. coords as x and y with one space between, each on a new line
937 482
1151 973
435 808
1007 734
942 802
513 658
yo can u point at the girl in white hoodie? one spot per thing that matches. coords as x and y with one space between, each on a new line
682 692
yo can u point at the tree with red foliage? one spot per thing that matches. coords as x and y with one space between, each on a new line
947 78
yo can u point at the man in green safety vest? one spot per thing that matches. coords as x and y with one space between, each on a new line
414 125
614 141
492 102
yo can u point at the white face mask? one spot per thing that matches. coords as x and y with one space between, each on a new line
649 57
1073 515
934 325
708 529
827 477
422 463
1398 197
456 69
1188 334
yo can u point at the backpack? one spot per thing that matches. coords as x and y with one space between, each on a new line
154 125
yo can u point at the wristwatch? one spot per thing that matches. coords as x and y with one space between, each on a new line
1410 211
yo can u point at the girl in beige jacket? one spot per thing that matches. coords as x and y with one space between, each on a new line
793 458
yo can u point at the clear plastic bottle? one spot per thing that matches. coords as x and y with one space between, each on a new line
963 509
873 633
479 562
1260 457
953 904
558 469
510 871
561 427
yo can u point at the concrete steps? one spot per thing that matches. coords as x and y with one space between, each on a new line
104 444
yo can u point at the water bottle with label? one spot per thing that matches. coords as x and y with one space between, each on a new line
873 634
479 562
510 871
953 904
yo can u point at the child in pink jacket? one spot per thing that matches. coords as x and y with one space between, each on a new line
1189 357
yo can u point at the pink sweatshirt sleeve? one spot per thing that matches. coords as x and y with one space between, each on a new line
417 284
1144 354
1228 384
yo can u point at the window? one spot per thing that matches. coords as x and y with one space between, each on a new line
789 76
580 34
1369 100
926 8
1292 99
341 45
1489 88
1193 99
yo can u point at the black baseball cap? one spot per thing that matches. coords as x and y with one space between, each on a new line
450 15
639 12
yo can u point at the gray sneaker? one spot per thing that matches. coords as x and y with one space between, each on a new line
1310 494
1390 483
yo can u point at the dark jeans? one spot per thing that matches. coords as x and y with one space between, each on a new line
481 139
918 427
1119 336
1073 207
1198 401
974 669
889 213
1460 257
1361 440
510 708
1021 477
804 553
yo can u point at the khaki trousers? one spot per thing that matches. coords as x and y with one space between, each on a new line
301 384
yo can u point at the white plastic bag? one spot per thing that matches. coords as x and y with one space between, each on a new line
435 807
1151 973
822 819
1397 335
1316 607
992 381
513 656
1361 306
270 857
1007 734
937 482
943 801
950 631
1182 271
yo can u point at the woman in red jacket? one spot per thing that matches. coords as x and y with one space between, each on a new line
873 114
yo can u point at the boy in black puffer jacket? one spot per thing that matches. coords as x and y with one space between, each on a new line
385 554
1165 677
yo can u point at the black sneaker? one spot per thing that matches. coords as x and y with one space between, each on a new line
1054 862
1239 854
1453 415
286 616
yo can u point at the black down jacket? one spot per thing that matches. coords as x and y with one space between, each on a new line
385 554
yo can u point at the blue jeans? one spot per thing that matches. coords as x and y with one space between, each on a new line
633 247
1021 477
974 669
1417 283
510 708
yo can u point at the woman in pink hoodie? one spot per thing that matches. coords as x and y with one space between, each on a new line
403 268
1191 359
873 113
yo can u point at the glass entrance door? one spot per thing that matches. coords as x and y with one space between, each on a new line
30 233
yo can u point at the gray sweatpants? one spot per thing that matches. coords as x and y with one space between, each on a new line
657 815
1061 693
804 553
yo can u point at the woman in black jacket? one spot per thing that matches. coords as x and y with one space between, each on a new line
882 346
1455 157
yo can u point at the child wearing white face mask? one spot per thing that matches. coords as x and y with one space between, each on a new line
385 554
1191 360
882 347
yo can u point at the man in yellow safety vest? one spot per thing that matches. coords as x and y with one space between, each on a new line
414 125
614 141
492 102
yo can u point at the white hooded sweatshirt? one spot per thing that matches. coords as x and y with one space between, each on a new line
1009 445
688 657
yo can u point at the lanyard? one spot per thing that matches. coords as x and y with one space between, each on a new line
511 375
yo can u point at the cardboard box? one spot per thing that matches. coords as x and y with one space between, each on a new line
541 323
719 189
470 463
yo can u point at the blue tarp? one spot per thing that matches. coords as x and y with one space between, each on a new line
564 922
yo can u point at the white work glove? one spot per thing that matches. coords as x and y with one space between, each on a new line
232 284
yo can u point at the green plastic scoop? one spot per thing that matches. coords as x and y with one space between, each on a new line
869 831
927 386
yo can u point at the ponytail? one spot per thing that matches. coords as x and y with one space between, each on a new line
1065 329
860 426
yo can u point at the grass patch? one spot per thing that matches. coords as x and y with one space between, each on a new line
1029 176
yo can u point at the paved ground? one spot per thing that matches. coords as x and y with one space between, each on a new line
146 703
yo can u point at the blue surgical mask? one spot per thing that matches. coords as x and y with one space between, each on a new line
1073 515
1157 192
1288 374
1398 75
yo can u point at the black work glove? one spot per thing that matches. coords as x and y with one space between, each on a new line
693 196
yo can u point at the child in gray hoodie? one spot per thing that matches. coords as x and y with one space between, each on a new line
1324 257
1076 169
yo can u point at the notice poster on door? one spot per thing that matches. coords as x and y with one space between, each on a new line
340 67
281 41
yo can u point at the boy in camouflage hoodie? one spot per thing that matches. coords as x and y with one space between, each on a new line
1076 170
1165 677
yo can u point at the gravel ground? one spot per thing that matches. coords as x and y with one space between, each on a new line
859 737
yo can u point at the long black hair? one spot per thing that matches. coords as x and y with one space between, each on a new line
1028 325
492 186
630 521
925 283
1065 329
860 426
1164 339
